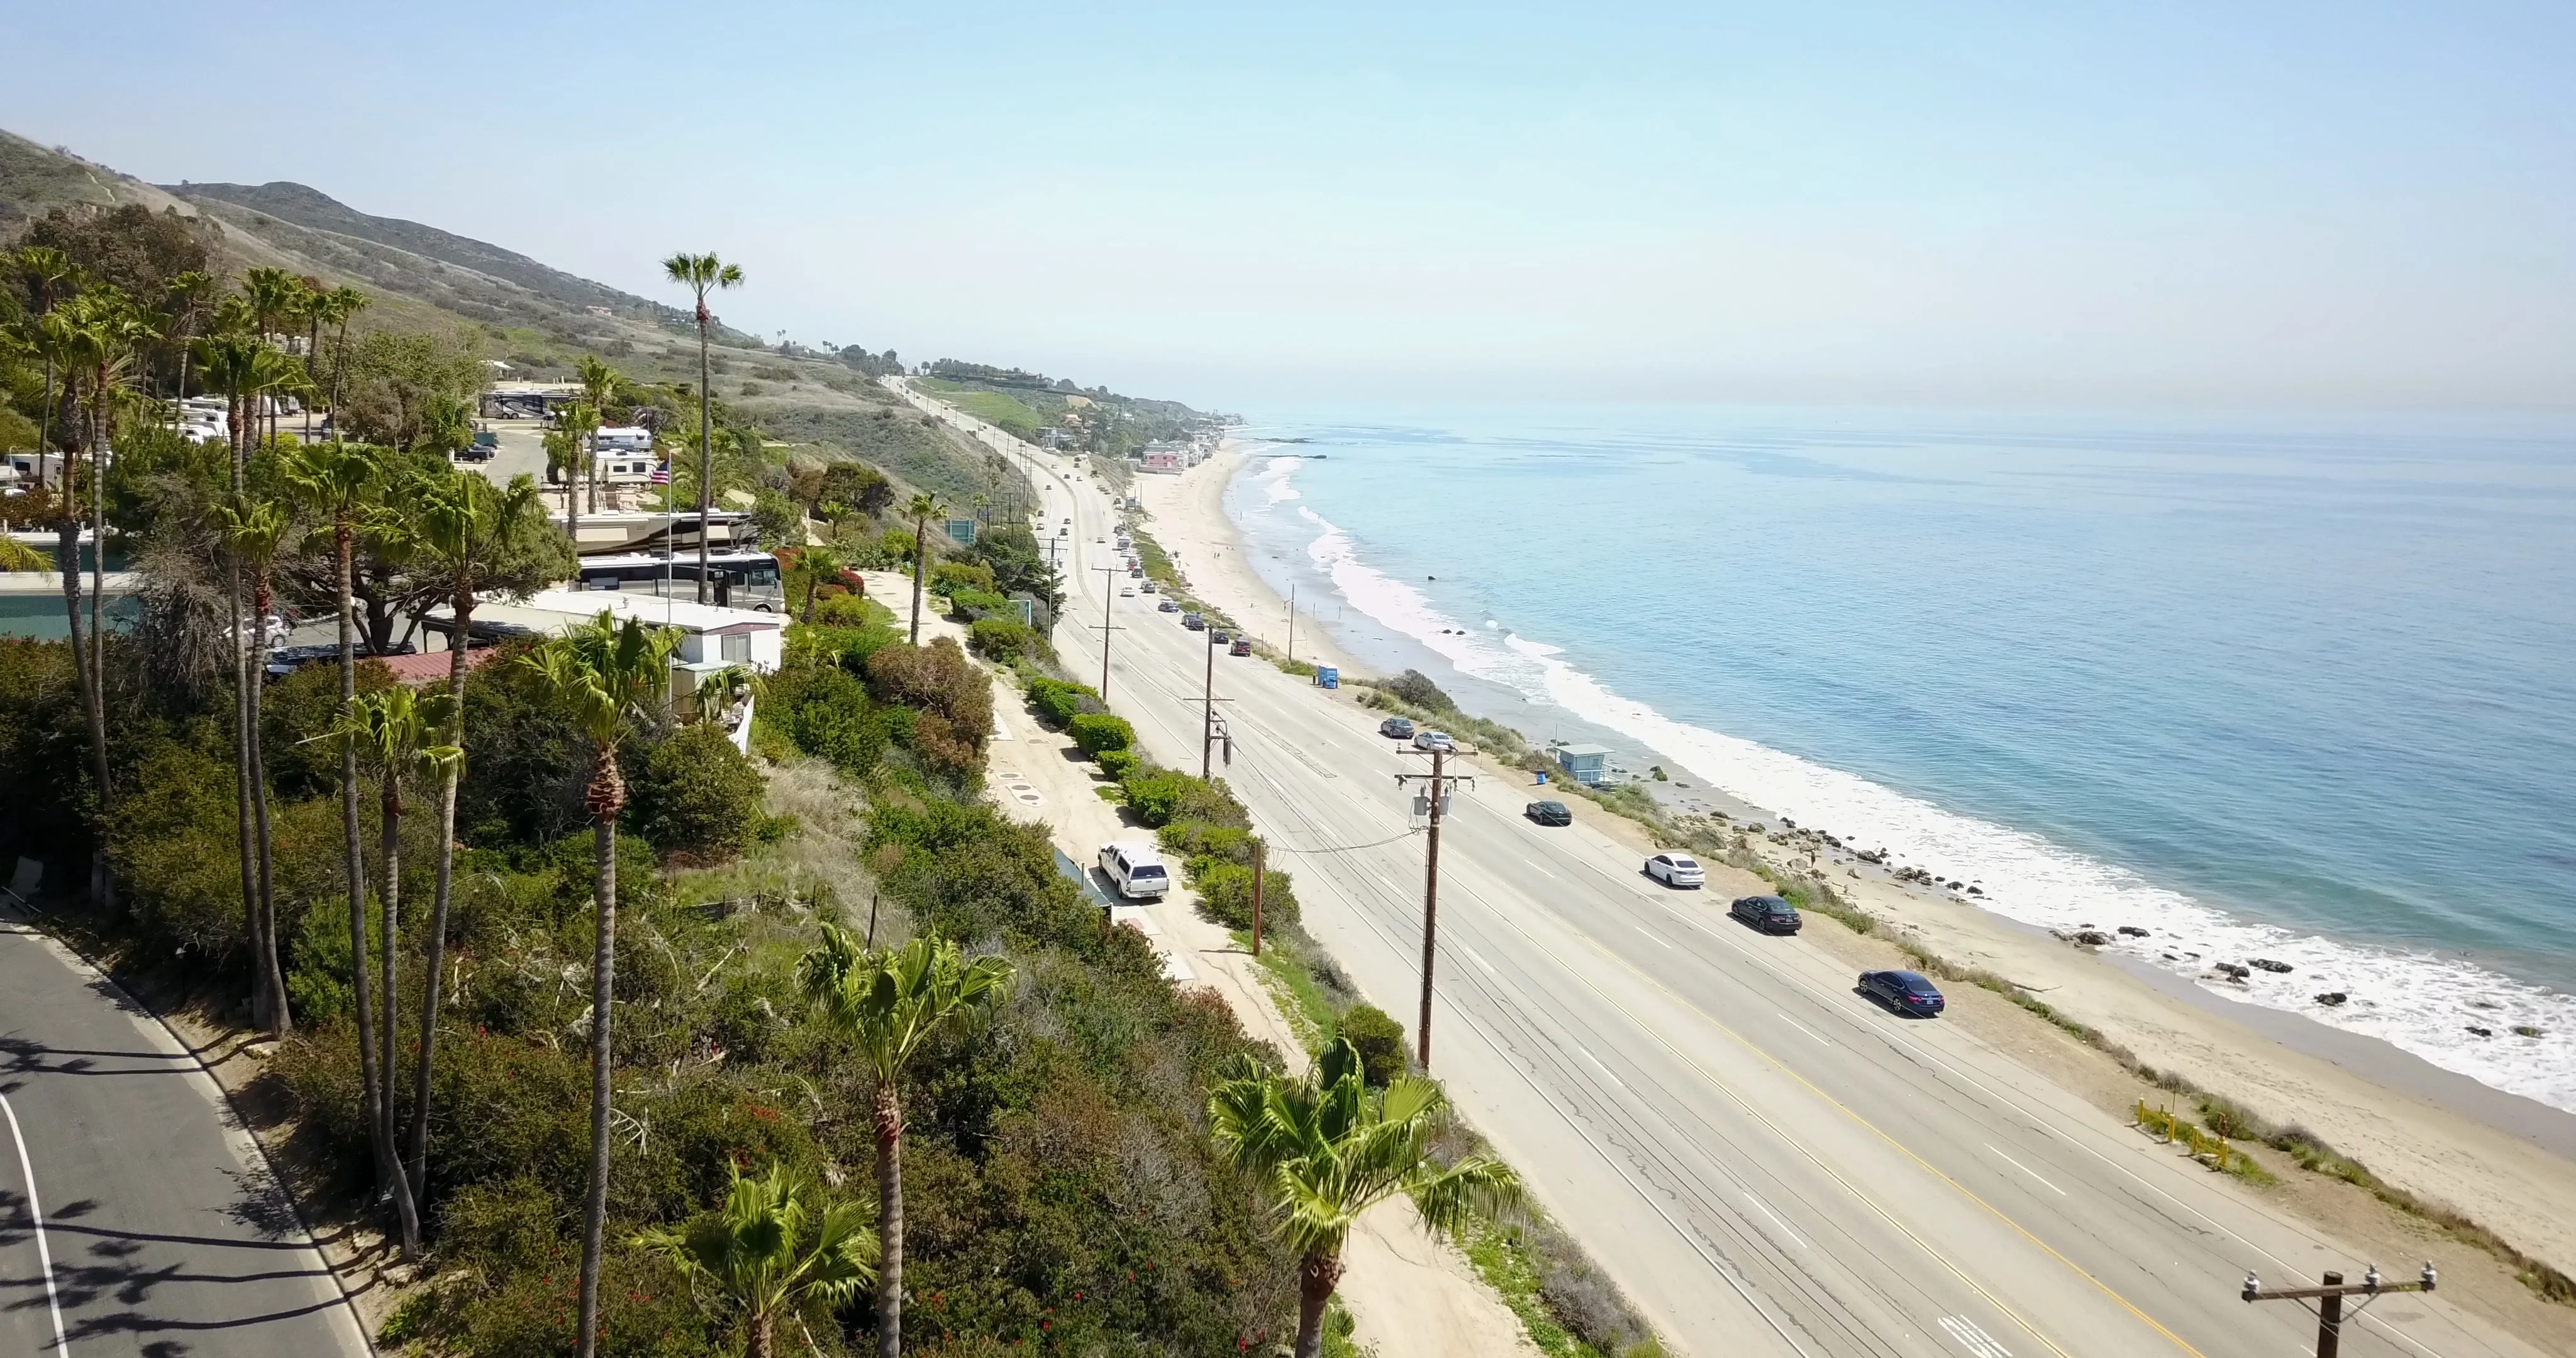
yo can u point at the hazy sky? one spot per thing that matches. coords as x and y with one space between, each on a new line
2333 203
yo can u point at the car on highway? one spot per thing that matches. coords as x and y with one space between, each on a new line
1396 728
1906 992
1549 813
1167 606
1433 740
1126 592
1770 914
1219 637
1676 869
1148 587
1193 621
1241 646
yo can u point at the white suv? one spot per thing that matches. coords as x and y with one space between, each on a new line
1676 869
1137 869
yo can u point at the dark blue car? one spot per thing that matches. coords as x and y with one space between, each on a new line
1906 992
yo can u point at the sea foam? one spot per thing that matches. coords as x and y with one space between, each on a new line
2421 1002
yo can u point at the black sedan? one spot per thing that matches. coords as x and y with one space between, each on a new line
1770 914
1549 813
1906 992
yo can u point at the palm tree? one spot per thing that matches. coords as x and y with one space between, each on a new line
1327 1149
393 728
47 271
819 566
187 299
334 308
924 507
467 532
341 482
889 1003
702 274
599 384
771 1250
600 672
275 296
571 441
254 530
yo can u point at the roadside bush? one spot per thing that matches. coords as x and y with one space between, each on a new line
975 603
1379 1038
1118 763
949 576
1415 687
954 698
1098 731
1059 701
1225 894
1156 794
823 710
1004 639
848 610
698 795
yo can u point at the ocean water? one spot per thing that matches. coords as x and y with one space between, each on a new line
2301 689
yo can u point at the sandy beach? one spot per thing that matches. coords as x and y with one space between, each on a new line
2507 1162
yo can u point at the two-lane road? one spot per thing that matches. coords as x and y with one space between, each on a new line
1765 1161
136 1217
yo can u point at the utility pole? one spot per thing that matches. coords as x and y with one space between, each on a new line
1440 780
2329 1299
1207 734
1292 624
1108 592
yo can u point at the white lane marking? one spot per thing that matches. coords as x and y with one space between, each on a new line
2026 1170
1976 1341
1596 1061
36 1217
1659 938
1479 959
1775 1218
1804 1028
1541 871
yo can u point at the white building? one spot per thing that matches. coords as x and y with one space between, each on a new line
712 639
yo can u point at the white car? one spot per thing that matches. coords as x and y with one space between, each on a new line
1136 869
1126 593
1434 740
1676 869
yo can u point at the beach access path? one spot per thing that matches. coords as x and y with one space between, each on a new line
1764 1161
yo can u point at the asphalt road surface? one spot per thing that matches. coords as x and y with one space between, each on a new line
136 1218
1765 1161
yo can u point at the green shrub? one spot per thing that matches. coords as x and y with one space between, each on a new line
948 576
1225 895
849 611
1119 763
1379 1038
1415 687
1003 639
1098 731
698 795
1156 794
1059 701
976 603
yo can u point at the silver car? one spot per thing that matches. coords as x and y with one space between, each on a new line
1676 869
1433 740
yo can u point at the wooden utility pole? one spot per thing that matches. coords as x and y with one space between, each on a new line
1108 592
1440 779
1258 858
2329 1299
1207 732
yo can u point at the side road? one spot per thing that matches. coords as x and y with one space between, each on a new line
136 1214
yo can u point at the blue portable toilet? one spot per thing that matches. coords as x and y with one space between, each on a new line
1330 676
1585 764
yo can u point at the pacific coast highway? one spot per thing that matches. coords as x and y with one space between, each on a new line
136 1218
1766 1162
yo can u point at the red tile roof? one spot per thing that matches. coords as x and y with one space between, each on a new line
429 667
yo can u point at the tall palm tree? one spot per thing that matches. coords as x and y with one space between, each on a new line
467 532
770 1250
188 293
1327 1149
924 507
571 439
600 673
254 530
275 296
48 272
341 482
335 308
888 1003
599 384
392 728
702 274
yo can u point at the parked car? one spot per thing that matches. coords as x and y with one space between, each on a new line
1396 728
1167 606
1770 914
1906 992
1433 740
1676 869
1193 621
1137 869
1241 646
1549 813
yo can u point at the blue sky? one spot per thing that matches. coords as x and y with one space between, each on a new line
2311 205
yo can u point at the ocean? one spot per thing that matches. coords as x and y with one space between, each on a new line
2295 688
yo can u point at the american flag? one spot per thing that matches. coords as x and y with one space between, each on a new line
662 474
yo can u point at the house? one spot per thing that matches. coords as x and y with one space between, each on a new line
712 640
1585 764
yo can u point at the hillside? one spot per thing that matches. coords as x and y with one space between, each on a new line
537 318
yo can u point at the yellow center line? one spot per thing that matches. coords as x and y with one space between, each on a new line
1766 1058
